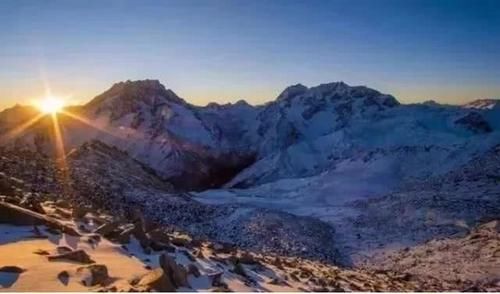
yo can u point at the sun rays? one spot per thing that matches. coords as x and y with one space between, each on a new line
50 105
87 122
18 130
53 121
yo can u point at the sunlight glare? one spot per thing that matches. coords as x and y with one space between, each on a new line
51 105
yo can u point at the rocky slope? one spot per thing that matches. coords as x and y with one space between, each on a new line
474 258
101 176
53 244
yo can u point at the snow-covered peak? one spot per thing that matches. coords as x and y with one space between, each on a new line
292 91
130 96
335 92
485 104
342 91
238 104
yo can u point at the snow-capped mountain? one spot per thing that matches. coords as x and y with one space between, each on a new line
309 131
484 104
190 146
332 172
303 132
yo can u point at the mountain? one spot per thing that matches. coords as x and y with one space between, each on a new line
484 104
304 132
309 131
335 173
183 143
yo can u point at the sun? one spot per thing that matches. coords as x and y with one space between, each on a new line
50 105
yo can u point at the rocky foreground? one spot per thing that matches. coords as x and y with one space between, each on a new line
97 175
49 243
61 247
65 248
475 256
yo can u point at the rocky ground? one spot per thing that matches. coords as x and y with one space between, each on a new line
65 248
474 258
99 221
101 176
446 206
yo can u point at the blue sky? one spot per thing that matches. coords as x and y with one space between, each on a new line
226 50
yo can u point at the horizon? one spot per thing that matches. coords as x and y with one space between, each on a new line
224 51
33 103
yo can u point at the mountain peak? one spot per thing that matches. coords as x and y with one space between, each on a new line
339 90
292 91
144 84
128 96
142 88
487 103
240 104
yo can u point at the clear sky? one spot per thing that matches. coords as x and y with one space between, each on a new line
226 50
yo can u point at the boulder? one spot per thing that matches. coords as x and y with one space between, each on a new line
159 235
63 203
63 277
156 280
224 248
62 213
77 256
182 241
176 272
106 229
139 234
32 201
279 281
63 249
79 212
11 199
193 270
41 252
200 254
238 269
91 238
216 279
12 269
15 215
124 236
247 258
5 187
188 255
92 275
158 246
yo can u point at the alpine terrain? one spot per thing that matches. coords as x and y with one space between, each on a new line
326 188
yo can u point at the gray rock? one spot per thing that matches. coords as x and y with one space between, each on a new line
156 280
92 275
78 256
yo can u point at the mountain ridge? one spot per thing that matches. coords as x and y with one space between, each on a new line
331 172
175 138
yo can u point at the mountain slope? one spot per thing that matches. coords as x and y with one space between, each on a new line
313 130
304 132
